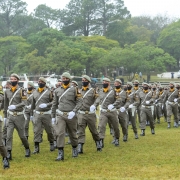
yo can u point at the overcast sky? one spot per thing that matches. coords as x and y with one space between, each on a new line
136 7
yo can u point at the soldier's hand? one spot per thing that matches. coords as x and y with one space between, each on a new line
122 109
110 106
147 102
29 107
11 107
92 108
43 105
175 100
131 106
71 115
53 120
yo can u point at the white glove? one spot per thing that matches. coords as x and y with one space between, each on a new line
92 108
53 120
156 101
11 107
131 106
110 106
175 100
31 118
71 115
147 102
29 107
43 105
122 109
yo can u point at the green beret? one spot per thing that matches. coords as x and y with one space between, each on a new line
87 78
118 80
31 84
42 79
67 75
75 82
130 83
136 81
106 79
15 75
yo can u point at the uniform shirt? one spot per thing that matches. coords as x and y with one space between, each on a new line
132 98
70 101
161 96
1 100
172 94
89 96
46 98
112 98
19 100
146 96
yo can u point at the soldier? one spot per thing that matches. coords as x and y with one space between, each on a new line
28 112
3 150
67 101
147 107
172 97
74 83
133 102
108 100
41 107
155 91
58 84
14 102
85 117
178 88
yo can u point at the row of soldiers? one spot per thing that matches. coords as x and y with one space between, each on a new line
69 109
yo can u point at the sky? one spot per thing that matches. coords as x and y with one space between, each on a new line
136 7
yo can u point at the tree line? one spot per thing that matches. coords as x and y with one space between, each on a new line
96 37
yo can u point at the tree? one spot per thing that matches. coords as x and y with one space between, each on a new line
11 14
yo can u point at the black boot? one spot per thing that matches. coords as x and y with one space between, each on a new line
52 148
152 131
60 155
28 152
80 148
136 136
142 132
175 124
6 163
125 138
102 143
36 148
169 125
116 142
98 145
9 155
74 152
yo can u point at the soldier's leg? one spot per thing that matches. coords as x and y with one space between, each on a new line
175 113
169 113
165 112
27 120
138 112
133 120
103 119
178 114
123 122
111 128
143 121
150 117
5 131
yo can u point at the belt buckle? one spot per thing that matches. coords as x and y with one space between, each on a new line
14 113
41 113
86 112
65 113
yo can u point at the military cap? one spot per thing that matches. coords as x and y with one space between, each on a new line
75 82
31 84
15 75
130 83
177 84
106 79
136 81
118 80
87 78
67 75
172 83
145 84
42 79
59 80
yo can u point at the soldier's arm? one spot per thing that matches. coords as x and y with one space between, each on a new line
33 104
79 100
54 105
6 104
50 99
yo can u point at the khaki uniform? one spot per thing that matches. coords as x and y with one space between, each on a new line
85 117
172 107
147 112
63 104
16 116
106 114
42 116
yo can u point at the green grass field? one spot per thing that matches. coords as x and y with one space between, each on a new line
150 157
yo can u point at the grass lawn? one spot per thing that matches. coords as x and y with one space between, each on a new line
150 157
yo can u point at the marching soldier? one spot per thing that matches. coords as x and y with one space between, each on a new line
28 112
41 107
172 98
85 117
74 83
147 109
14 102
133 102
178 88
108 100
66 103
3 150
